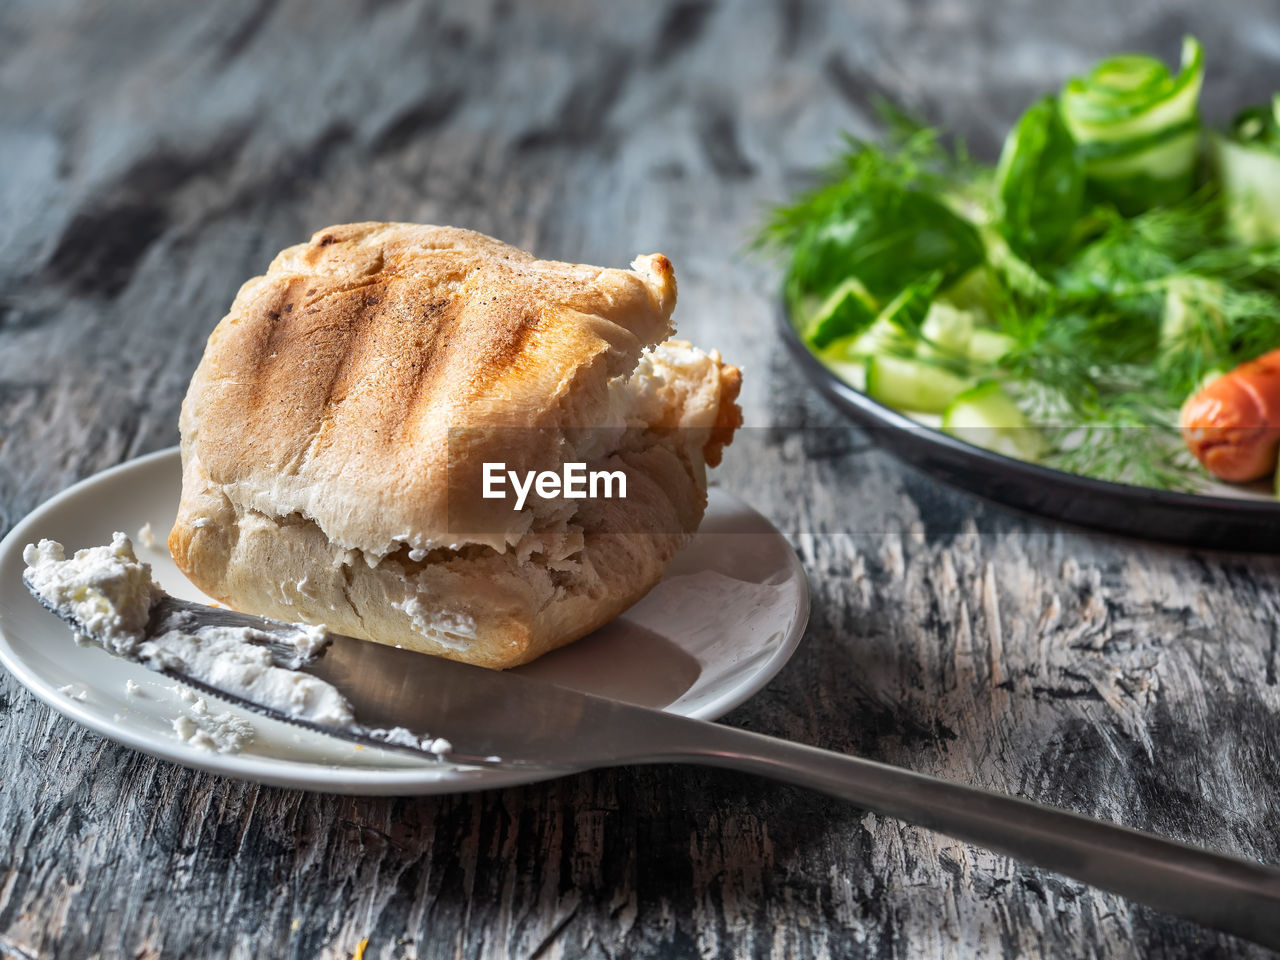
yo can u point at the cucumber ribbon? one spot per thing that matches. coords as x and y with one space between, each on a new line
1138 127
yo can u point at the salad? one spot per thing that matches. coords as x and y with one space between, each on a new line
1103 300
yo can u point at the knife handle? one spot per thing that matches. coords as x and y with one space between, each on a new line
1237 896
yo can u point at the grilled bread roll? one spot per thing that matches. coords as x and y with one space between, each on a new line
335 432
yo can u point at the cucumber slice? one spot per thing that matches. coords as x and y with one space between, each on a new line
888 331
883 336
975 291
947 330
849 309
909 308
880 337
1249 173
988 346
1132 95
1162 173
854 374
908 384
986 417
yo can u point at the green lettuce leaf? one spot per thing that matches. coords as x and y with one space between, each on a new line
1039 183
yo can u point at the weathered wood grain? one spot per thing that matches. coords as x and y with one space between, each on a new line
156 155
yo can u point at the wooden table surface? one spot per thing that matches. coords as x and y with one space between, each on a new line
154 157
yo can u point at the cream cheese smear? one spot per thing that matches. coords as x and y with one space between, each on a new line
109 593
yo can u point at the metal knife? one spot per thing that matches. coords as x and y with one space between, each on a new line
495 719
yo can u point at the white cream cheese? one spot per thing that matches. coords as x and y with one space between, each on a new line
451 629
232 659
406 738
109 593
215 732
147 536
107 590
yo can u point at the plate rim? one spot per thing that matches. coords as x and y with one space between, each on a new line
332 778
858 406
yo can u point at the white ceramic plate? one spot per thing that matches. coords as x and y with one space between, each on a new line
720 625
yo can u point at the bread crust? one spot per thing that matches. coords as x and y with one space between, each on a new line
321 426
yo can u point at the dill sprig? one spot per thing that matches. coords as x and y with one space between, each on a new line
910 154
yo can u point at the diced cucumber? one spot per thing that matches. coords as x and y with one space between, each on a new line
849 309
882 336
946 329
859 347
842 350
909 384
909 308
887 332
852 373
987 417
988 346
974 291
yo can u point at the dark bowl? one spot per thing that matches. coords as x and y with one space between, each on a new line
1189 519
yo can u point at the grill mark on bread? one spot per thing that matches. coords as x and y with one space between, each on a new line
278 333
289 379
423 331
432 325
363 364
361 332
513 325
